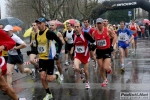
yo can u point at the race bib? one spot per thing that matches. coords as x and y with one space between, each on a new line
122 37
41 49
34 43
101 43
80 49
69 39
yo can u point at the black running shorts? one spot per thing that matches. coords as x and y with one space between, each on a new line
47 66
103 53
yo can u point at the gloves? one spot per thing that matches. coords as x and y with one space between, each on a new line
56 57
28 53
111 48
92 47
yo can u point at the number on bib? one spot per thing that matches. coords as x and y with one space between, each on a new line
122 37
41 49
80 49
69 39
34 43
101 43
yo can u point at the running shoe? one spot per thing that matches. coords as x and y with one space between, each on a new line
104 83
59 78
22 98
110 71
133 52
82 76
66 63
87 85
33 75
48 97
122 67
16 68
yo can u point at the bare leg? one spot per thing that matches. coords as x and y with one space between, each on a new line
86 72
77 65
10 68
32 57
59 66
24 70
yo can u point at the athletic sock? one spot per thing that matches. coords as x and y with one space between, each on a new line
47 91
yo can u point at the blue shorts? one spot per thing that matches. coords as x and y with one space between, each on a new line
135 38
122 44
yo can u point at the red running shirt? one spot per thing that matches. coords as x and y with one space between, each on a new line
102 40
134 29
81 45
6 41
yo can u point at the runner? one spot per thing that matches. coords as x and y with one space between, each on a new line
4 52
6 43
134 28
47 54
53 27
32 54
15 56
110 27
68 37
82 54
104 48
124 38
87 28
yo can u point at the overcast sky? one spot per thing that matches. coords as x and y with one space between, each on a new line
2 4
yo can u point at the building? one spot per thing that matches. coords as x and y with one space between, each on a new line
140 13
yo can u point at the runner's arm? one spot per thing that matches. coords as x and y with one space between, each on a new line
113 36
88 37
138 28
131 35
61 37
52 36
21 42
65 36
6 41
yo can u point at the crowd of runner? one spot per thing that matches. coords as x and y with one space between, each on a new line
97 42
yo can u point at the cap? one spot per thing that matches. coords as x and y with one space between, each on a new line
8 28
99 20
40 20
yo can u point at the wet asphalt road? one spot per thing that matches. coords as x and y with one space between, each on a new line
135 79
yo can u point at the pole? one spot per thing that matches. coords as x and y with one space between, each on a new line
0 12
40 14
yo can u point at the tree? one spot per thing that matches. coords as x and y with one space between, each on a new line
86 7
29 10
115 16
21 10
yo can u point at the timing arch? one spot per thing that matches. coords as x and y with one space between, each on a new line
120 4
